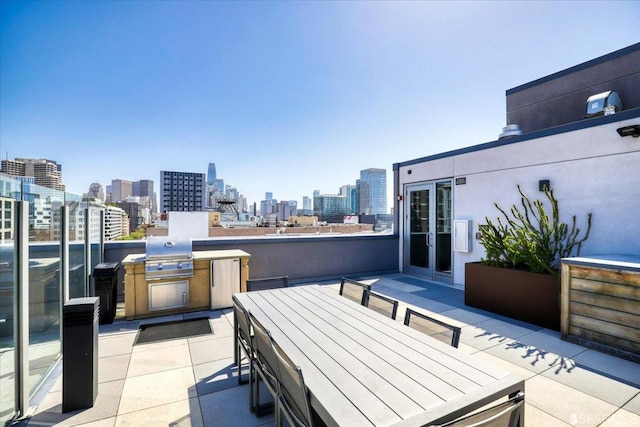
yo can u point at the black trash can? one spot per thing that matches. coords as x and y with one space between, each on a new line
105 280
80 353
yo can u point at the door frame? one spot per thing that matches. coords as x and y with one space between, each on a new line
431 272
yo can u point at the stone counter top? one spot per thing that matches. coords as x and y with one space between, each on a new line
197 255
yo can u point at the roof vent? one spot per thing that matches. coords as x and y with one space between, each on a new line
604 103
510 130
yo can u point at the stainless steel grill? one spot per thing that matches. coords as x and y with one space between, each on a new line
168 258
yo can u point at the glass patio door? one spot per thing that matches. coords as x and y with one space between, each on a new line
427 230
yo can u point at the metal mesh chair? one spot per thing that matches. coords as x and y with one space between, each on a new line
380 303
505 414
294 397
243 337
265 365
353 289
267 283
438 329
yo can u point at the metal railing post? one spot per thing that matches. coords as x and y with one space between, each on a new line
21 307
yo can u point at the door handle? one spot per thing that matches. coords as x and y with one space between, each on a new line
430 241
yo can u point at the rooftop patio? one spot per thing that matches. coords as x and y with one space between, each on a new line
193 381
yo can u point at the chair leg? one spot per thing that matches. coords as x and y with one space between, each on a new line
252 406
242 351
265 408
279 416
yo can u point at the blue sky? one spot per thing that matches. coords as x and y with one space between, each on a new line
285 97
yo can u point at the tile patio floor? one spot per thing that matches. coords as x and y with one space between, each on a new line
192 382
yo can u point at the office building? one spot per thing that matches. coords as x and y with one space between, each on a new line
96 192
215 188
211 173
287 209
306 203
349 192
116 223
373 191
144 189
120 190
266 208
47 173
182 191
330 207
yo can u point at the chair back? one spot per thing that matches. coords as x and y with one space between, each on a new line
293 391
267 283
505 414
262 344
353 289
242 318
380 303
438 329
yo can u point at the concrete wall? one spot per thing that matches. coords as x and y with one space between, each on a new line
591 169
300 258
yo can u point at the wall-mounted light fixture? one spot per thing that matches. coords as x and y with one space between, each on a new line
633 130
544 185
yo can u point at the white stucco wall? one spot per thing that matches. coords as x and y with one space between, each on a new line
191 224
590 170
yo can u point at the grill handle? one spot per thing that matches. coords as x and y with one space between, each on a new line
184 297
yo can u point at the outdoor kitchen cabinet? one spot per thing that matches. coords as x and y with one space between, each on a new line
197 295
225 281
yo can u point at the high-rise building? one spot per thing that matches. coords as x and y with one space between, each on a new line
182 191
211 173
306 203
120 190
47 173
373 191
114 218
330 207
287 209
144 188
349 191
96 192
266 208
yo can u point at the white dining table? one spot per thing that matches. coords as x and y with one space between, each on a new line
365 369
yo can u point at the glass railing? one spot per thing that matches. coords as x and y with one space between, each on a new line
46 290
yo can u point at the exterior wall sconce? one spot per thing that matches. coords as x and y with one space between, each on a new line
633 130
544 185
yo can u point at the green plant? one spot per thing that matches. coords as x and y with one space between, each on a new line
531 238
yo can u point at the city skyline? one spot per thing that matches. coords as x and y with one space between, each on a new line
285 97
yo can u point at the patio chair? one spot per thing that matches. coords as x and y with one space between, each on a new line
438 329
505 414
267 283
353 289
243 332
265 365
294 397
380 303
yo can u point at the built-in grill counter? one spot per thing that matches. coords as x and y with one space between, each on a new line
170 278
